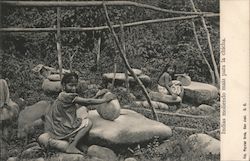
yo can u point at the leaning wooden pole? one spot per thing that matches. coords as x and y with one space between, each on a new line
58 42
209 44
71 57
127 64
115 70
124 49
98 55
202 54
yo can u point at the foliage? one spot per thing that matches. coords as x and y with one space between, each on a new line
148 47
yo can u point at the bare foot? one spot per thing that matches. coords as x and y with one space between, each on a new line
73 150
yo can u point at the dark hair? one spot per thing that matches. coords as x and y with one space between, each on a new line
169 66
67 77
166 68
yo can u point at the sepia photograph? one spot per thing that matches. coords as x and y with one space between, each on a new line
115 80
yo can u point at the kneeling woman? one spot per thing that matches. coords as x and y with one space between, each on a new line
166 84
66 120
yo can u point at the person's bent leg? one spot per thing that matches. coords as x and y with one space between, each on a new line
72 147
46 140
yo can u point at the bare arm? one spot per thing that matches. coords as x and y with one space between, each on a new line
93 101
88 101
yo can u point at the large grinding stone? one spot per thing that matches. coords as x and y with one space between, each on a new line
129 128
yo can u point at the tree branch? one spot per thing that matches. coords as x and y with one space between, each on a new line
58 42
181 18
202 54
122 54
209 44
93 3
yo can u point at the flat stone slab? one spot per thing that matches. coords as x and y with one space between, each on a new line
129 128
136 71
199 93
120 78
51 86
160 97
156 105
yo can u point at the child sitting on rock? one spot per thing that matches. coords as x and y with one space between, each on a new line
166 84
66 122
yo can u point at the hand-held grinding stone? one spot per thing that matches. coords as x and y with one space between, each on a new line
109 110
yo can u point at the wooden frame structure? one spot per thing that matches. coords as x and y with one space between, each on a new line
120 45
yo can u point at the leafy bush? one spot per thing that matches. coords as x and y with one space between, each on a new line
148 47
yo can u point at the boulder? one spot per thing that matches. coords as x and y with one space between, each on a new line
34 159
168 99
120 78
13 159
204 143
136 71
184 79
198 93
191 111
167 147
156 105
40 159
102 153
206 108
45 71
129 128
31 117
109 110
95 159
4 148
130 159
144 78
32 152
51 86
54 77
215 134
68 157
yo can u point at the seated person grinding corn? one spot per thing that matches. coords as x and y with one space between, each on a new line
66 122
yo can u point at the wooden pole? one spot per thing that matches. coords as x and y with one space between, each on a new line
78 29
94 3
211 51
179 114
124 49
98 53
209 44
202 54
113 80
71 57
127 64
1 52
58 42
